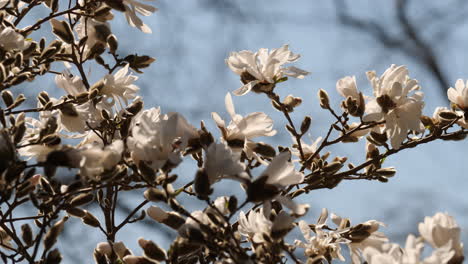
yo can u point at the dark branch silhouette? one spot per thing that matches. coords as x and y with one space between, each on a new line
410 41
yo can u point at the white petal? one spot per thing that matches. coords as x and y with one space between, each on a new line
245 88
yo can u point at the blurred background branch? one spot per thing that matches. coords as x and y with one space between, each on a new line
416 37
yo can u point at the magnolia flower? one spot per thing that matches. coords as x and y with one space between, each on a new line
257 224
243 128
132 7
10 39
74 117
96 160
281 172
46 122
360 236
119 86
440 230
459 95
221 162
324 245
388 254
358 133
95 31
443 254
307 149
73 85
261 70
157 139
347 87
354 100
221 204
393 103
393 254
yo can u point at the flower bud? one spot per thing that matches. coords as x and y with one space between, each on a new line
104 248
82 199
264 150
171 219
76 212
202 184
155 195
151 250
305 125
386 172
51 237
137 260
7 97
291 102
90 219
333 167
54 257
112 42
447 115
324 99
26 234
121 250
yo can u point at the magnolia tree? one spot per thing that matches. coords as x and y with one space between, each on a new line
102 133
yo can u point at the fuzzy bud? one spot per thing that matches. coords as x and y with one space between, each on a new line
324 99
151 250
155 195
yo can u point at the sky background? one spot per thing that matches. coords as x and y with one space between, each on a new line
190 41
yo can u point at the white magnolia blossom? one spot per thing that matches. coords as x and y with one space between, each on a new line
322 244
96 160
10 39
440 230
72 84
281 172
75 121
95 30
221 204
263 67
157 139
33 128
221 162
394 104
393 254
346 87
389 254
251 126
459 94
244 129
119 86
358 133
132 7
257 224
374 239
307 149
